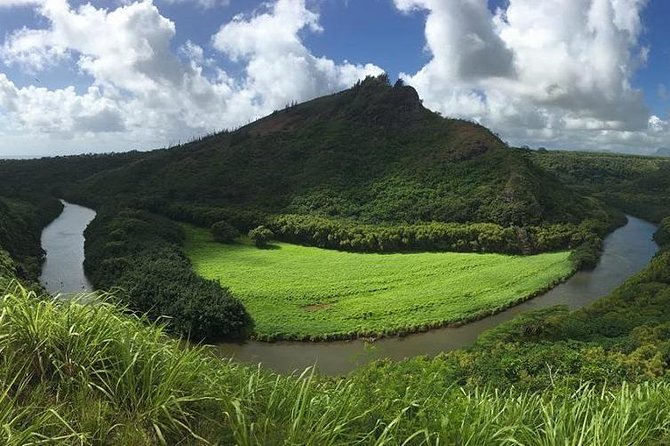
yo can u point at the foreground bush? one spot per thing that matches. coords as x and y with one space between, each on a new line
261 236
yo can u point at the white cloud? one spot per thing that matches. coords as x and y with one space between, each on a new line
144 92
11 3
555 73
204 4
549 72
278 66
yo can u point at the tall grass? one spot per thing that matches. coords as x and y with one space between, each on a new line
90 374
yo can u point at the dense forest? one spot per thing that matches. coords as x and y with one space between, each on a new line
639 185
21 224
139 254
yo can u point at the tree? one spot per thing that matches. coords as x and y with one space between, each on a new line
224 232
384 77
261 236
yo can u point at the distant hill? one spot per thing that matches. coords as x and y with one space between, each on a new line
371 153
639 185
662 151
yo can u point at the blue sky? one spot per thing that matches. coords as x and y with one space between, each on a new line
656 72
111 75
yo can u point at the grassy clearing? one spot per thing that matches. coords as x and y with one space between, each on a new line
74 374
297 292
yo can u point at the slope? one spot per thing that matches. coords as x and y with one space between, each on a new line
372 153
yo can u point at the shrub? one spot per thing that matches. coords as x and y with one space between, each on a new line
587 255
662 236
224 232
261 236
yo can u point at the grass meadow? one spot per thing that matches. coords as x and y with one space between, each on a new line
306 293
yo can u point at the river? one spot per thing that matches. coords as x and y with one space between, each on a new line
627 250
63 241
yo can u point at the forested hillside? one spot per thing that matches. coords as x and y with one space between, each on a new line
372 154
639 185
21 224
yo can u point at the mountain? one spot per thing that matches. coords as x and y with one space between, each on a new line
371 153
662 151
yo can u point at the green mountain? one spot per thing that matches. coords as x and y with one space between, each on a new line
372 154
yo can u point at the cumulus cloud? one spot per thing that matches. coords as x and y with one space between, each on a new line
150 94
555 71
278 65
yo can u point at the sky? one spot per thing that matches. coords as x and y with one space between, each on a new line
114 75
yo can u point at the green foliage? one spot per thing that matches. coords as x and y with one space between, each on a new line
296 292
587 255
21 224
140 253
350 235
346 235
371 154
662 236
7 269
95 375
91 374
261 236
53 177
639 185
224 232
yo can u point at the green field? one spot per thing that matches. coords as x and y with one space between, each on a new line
297 292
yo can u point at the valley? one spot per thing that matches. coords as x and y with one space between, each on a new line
386 222
334 223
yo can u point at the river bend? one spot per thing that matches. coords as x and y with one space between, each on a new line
626 251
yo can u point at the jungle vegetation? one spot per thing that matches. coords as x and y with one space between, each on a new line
138 254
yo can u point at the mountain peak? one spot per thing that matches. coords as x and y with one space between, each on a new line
371 102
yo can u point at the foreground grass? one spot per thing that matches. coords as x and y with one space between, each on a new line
297 292
74 374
